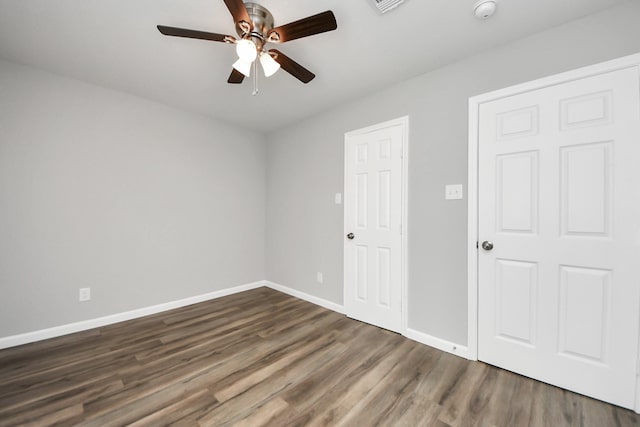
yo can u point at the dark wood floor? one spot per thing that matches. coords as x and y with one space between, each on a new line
265 358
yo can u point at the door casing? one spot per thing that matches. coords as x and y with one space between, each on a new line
631 61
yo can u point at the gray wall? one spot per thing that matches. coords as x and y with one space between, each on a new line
305 167
143 203
146 204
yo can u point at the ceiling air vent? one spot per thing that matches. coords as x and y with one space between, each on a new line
386 5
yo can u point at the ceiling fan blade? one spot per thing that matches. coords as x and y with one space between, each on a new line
239 12
316 24
194 34
292 67
236 77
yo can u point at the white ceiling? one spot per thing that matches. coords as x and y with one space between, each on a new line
115 44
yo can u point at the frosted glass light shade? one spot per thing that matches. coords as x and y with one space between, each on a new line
269 65
243 66
246 50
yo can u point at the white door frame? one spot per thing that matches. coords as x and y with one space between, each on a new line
474 108
404 123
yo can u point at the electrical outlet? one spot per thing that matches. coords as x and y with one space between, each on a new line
319 277
84 294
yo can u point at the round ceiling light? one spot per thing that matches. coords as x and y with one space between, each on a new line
483 9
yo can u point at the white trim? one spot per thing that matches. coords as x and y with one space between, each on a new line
637 407
412 334
637 402
472 234
29 337
43 334
629 61
404 269
440 344
304 296
405 224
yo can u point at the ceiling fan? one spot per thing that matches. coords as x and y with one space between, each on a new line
255 28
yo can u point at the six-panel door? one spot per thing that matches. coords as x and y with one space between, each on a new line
373 208
559 179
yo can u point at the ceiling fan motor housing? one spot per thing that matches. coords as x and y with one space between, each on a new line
262 21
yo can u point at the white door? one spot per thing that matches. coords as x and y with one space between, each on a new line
559 199
373 224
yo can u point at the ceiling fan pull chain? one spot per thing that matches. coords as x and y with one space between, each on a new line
255 78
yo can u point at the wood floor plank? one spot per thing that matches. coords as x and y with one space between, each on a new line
310 395
405 398
244 402
192 405
264 358
359 389
261 416
504 392
415 413
275 364
376 405
42 408
325 388
460 396
63 415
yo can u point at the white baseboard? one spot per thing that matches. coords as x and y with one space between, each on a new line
431 341
637 407
310 298
15 340
440 344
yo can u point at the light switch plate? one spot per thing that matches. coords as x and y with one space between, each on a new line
84 294
453 192
338 198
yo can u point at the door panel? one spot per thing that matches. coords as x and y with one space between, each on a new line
584 312
373 208
586 188
516 290
517 204
559 197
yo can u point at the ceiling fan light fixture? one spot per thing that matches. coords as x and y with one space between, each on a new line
269 65
243 66
255 27
246 50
